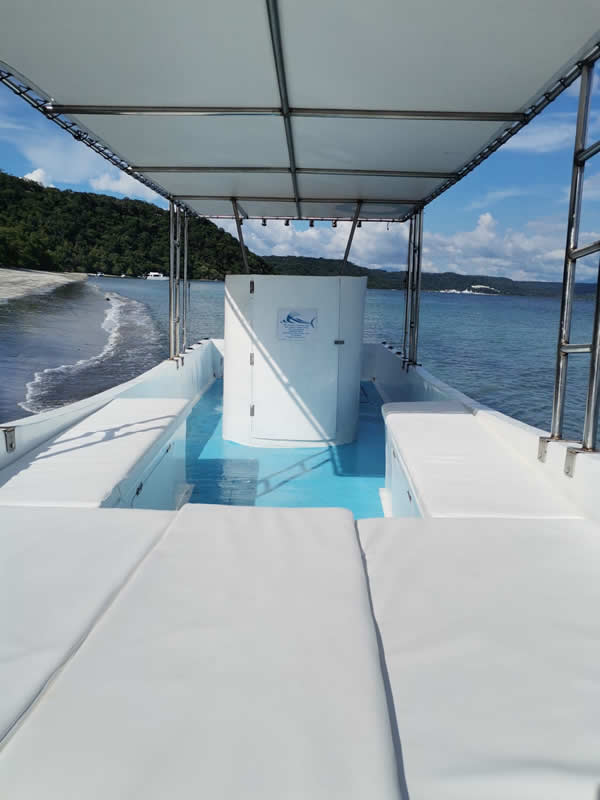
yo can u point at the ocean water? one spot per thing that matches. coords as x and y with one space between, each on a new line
64 346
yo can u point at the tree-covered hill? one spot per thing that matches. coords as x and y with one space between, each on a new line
430 281
67 231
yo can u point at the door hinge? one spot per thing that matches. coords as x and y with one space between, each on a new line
251 359
251 287
252 410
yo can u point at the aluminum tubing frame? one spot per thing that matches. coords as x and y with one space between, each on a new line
171 278
415 289
566 306
409 277
177 285
185 282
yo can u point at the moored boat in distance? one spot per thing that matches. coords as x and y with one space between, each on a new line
155 276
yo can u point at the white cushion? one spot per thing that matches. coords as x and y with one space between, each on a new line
459 468
241 661
491 635
58 570
83 465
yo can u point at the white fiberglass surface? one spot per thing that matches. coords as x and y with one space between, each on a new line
142 52
463 55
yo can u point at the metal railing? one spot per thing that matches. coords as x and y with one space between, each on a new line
179 289
413 290
573 252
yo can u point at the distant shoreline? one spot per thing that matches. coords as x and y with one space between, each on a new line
16 283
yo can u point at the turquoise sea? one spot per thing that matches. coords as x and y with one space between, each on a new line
60 347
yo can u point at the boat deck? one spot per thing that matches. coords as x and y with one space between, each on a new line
347 476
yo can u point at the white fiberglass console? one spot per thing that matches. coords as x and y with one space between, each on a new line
292 359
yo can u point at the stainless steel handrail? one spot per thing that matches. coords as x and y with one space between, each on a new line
581 155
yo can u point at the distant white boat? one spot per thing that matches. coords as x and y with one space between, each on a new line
156 276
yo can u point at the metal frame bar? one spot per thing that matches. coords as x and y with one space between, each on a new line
351 235
416 289
185 282
337 200
273 15
585 155
238 225
409 276
566 308
178 216
171 278
564 348
592 404
285 109
378 173
582 252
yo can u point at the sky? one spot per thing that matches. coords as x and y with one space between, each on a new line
507 218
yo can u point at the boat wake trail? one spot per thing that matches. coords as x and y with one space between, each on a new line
133 345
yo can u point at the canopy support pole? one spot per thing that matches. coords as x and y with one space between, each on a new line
415 299
171 279
185 281
409 277
351 236
178 283
238 225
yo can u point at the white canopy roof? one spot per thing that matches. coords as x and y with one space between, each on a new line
297 109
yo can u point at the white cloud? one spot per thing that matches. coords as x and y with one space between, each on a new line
57 158
39 176
591 187
374 245
121 183
534 253
489 198
551 132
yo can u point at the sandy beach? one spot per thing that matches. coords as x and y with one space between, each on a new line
20 282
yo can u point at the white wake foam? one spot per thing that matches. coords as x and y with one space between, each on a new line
120 311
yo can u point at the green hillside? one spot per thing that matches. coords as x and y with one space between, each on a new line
430 281
67 231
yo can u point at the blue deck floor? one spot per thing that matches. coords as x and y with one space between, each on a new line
225 473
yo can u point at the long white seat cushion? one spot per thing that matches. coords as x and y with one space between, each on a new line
81 466
241 661
460 468
58 570
491 636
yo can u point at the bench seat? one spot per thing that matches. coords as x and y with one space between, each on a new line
84 465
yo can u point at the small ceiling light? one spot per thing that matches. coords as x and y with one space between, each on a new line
312 223
287 222
359 224
264 222
334 223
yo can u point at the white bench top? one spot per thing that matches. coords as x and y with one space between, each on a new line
58 570
83 465
491 635
459 468
240 661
